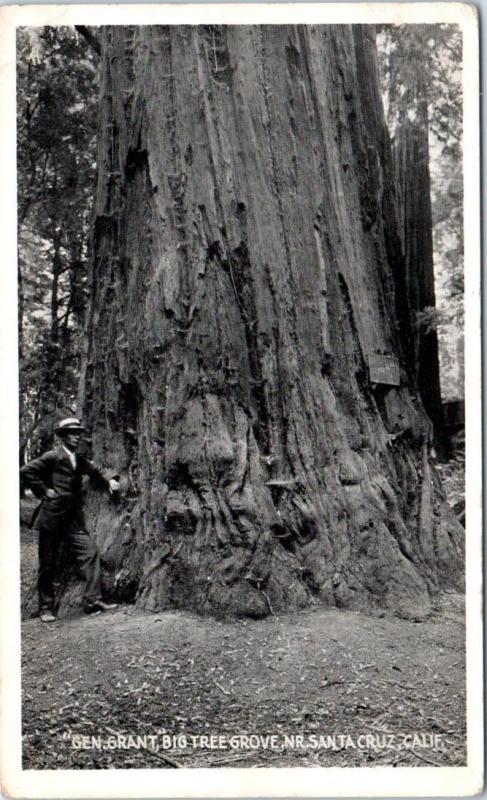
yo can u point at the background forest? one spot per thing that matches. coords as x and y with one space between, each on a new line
58 88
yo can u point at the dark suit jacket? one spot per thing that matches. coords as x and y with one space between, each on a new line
53 470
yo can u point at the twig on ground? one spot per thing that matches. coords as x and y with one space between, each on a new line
332 683
401 685
268 603
226 759
171 761
439 725
222 689
425 758
332 639
150 674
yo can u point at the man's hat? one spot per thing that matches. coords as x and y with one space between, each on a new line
68 425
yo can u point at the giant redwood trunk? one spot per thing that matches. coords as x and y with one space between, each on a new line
248 361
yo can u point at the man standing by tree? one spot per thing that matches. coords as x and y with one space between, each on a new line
56 478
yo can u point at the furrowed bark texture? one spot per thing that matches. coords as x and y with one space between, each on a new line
412 164
247 263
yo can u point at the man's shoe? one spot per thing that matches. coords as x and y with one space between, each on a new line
46 615
99 605
91 609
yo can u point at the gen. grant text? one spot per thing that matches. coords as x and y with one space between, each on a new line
415 740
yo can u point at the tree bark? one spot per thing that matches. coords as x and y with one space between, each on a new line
247 277
413 178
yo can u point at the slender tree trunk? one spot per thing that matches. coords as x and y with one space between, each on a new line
247 361
20 333
412 164
56 270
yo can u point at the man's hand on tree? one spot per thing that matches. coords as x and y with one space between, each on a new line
113 485
50 493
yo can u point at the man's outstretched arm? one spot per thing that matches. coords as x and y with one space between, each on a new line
104 480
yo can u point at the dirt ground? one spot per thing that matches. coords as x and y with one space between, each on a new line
92 685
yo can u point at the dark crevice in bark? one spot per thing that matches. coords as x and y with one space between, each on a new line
136 160
360 365
240 273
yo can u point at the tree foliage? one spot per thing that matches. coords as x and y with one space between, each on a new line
56 116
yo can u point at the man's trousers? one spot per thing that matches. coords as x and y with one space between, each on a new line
80 547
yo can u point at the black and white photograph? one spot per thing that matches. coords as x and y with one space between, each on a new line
238 541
